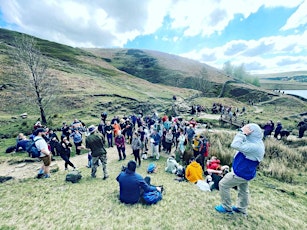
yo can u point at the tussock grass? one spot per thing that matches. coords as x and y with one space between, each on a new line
93 204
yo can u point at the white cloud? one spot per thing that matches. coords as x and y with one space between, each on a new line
298 18
271 53
112 23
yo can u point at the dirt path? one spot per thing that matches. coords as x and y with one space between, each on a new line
30 169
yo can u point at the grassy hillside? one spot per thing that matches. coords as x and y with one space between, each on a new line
277 194
122 82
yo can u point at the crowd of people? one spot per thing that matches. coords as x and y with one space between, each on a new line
147 137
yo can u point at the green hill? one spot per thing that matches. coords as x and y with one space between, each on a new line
124 81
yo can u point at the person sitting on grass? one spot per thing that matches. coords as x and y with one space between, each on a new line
132 185
216 171
194 172
22 142
172 165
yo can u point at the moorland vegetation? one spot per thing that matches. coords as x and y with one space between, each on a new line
123 82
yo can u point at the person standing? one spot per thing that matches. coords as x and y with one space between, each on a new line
136 146
45 154
249 144
95 142
63 149
109 132
277 129
181 144
120 144
169 141
155 141
77 138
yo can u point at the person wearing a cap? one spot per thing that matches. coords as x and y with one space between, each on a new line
132 185
95 142
45 154
249 144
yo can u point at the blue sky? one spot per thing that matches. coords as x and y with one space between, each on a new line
265 36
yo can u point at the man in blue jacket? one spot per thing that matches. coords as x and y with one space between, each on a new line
250 153
132 185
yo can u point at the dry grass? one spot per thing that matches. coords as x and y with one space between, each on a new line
93 203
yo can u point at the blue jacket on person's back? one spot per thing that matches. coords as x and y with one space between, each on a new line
250 152
130 185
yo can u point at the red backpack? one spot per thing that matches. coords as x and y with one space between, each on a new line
204 148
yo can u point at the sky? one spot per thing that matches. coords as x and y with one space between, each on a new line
266 36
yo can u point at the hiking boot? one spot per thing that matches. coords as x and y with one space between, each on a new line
221 209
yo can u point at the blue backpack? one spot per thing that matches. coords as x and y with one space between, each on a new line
32 149
151 168
152 197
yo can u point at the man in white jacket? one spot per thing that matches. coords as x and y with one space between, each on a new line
248 142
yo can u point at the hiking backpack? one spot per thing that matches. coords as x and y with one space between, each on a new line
152 197
151 168
204 148
73 176
32 149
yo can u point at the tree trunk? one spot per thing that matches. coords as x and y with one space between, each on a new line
43 116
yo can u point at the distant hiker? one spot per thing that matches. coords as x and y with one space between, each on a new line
104 116
302 127
132 185
268 128
45 154
95 143
278 129
121 146
248 142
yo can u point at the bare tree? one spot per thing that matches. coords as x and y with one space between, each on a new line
32 69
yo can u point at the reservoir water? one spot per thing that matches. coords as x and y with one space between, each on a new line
302 93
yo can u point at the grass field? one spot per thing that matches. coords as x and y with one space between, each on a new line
93 203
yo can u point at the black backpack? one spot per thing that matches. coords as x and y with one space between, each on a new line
73 176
